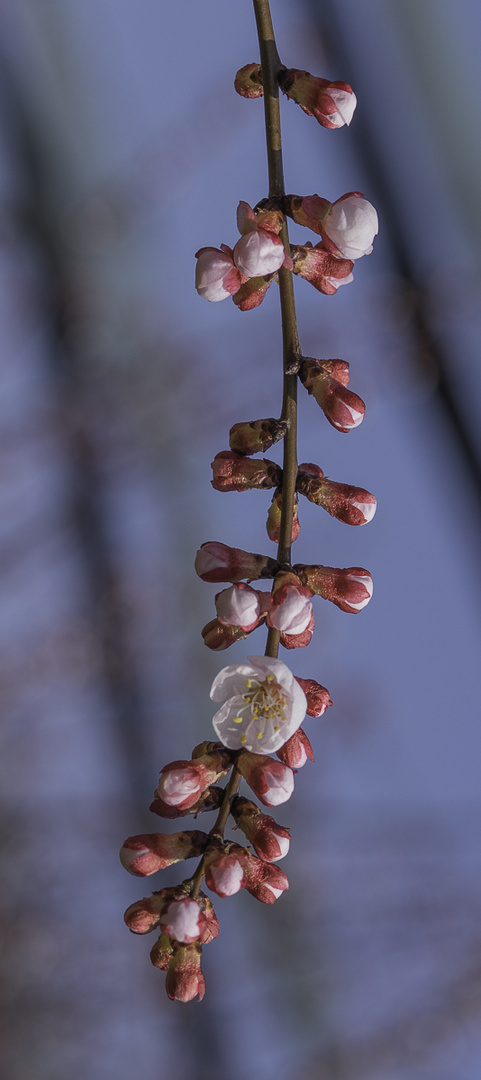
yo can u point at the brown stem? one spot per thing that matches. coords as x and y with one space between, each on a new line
271 67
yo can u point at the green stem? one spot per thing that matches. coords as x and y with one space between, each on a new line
271 66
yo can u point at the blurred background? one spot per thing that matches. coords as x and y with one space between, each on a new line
124 149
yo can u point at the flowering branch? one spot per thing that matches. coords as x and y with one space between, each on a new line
261 703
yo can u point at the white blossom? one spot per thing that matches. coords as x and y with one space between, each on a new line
263 705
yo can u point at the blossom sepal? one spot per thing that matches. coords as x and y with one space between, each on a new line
263 705
248 81
332 103
349 588
235 472
147 853
344 409
269 840
217 562
256 436
352 505
252 292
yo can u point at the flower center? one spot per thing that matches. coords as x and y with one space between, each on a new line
266 703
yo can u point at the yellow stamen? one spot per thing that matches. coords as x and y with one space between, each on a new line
259 735
243 738
237 719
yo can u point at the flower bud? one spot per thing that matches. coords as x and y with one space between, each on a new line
248 81
144 915
252 293
258 253
264 881
332 103
210 799
216 275
296 750
256 436
350 588
211 929
342 408
145 854
290 610
270 780
299 641
318 699
183 921
238 606
223 874
218 637
269 840
162 952
234 472
184 980
273 523
353 505
324 270
216 562
182 782
350 226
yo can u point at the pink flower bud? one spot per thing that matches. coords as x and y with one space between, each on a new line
256 436
290 610
350 226
353 505
238 606
210 799
216 276
216 562
323 269
269 840
182 782
258 253
318 699
183 921
343 409
252 293
218 637
296 750
211 929
264 881
144 915
350 589
332 103
184 980
273 523
145 854
270 780
248 81
224 874
234 472
299 641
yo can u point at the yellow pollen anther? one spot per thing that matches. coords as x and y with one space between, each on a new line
276 727
259 735
270 678
247 697
243 738
248 683
237 719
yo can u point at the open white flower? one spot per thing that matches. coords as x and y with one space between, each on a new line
263 705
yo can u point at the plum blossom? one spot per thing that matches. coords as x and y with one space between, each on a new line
263 705
238 606
350 226
332 103
216 275
183 921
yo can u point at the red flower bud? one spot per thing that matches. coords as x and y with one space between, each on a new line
233 472
272 782
252 292
182 782
162 952
332 103
238 606
145 854
296 750
323 269
269 840
264 881
318 699
353 505
185 980
223 874
210 799
216 562
248 81
299 641
343 409
218 637
350 589
256 436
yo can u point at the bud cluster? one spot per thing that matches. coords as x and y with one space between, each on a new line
260 703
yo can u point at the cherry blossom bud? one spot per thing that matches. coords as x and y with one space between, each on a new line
264 881
248 81
350 588
256 436
270 780
323 269
216 275
218 637
238 606
263 705
296 750
269 840
145 854
290 610
211 929
184 980
217 562
332 103
162 952
318 699
223 874
350 226
182 782
353 505
252 293
299 641
342 408
210 799
273 523
258 253
234 472
144 915
183 921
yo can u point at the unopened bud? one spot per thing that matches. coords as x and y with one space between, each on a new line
239 607
264 881
144 915
270 780
353 505
344 409
218 637
182 782
256 436
273 523
252 292
184 980
145 854
210 799
299 641
323 269
296 750
217 562
290 610
332 103
216 275
318 698
183 921
162 952
350 588
223 874
233 472
269 840
248 81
